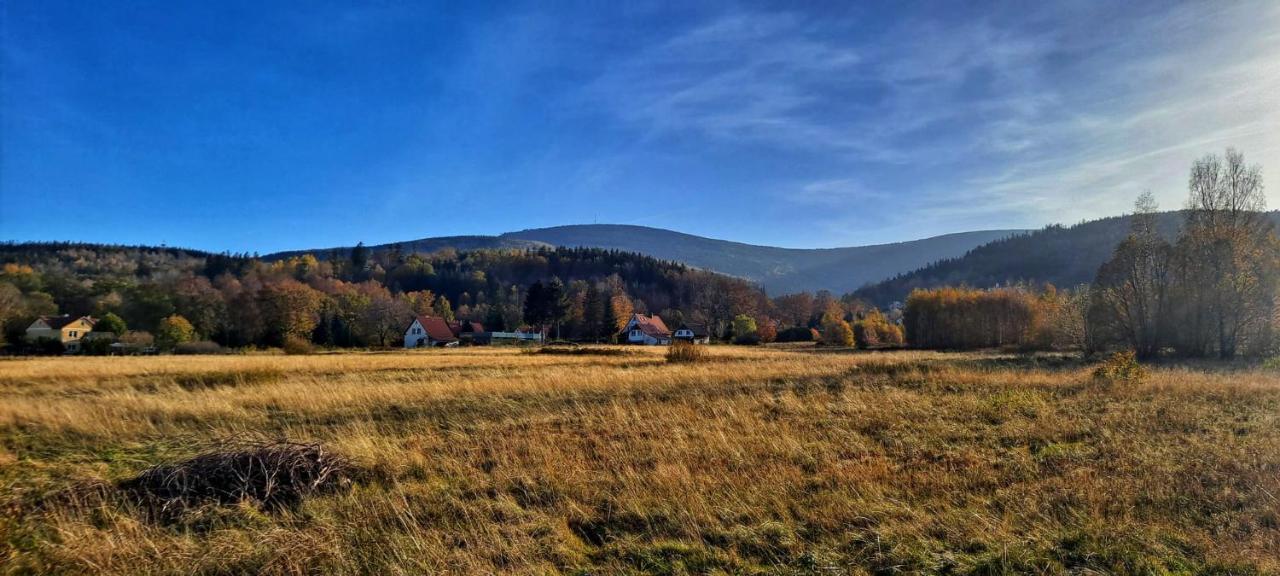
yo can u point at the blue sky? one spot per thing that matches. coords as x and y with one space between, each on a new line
273 125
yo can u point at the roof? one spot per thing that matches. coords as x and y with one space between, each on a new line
436 328
472 327
699 330
651 326
57 322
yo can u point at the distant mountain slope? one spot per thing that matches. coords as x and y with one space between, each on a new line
425 245
1063 256
780 270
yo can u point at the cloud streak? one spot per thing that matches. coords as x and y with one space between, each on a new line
1054 116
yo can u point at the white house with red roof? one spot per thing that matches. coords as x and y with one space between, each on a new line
428 331
648 330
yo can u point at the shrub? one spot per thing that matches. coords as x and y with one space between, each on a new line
874 329
201 347
576 350
1272 363
1121 367
796 334
98 346
48 346
748 339
743 325
768 332
684 352
836 332
296 345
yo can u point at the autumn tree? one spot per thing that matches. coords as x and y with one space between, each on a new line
874 329
443 309
1132 288
383 316
290 309
744 329
835 331
172 331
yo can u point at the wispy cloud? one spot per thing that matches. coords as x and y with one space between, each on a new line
995 120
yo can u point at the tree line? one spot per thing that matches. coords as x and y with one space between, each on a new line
365 298
1213 290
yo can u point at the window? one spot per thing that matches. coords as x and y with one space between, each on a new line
635 333
73 333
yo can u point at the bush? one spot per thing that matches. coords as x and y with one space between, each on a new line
768 332
836 332
874 330
748 339
796 334
1121 367
684 352
48 346
1272 363
201 347
98 346
296 345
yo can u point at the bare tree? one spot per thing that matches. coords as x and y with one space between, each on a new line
1223 251
1132 288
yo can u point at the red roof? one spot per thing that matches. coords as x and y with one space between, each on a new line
651 325
436 328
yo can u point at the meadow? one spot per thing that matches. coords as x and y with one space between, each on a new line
753 460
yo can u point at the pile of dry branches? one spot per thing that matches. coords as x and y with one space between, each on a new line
267 474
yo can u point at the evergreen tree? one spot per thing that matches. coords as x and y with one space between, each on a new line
359 260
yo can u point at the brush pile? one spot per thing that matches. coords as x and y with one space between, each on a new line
270 475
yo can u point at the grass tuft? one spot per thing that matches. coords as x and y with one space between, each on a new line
684 353
1121 367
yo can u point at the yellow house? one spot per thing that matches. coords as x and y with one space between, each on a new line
65 328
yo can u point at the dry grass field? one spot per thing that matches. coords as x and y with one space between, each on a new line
751 461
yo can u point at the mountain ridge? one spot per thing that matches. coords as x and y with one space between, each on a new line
779 270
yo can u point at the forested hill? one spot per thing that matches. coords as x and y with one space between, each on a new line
363 299
1062 256
779 270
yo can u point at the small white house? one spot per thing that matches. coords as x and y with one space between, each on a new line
695 333
428 331
647 330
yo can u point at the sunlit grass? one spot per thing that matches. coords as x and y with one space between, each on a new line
754 460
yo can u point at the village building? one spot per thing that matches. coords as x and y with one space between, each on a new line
67 329
519 337
691 332
429 331
647 330
467 332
